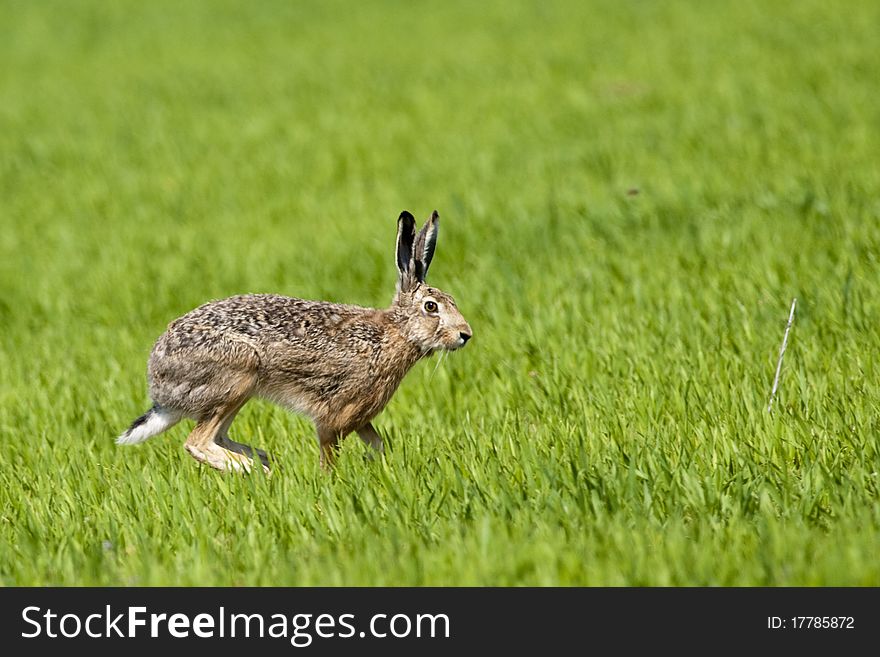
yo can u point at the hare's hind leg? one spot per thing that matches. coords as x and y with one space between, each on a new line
206 443
224 441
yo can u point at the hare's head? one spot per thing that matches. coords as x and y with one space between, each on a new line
428 316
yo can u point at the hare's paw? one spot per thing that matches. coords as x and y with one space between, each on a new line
223 459
240 448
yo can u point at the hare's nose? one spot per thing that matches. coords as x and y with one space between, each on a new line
464 337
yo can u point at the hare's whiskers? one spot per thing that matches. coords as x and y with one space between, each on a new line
439 360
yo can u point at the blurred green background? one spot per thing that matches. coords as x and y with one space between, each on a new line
631 194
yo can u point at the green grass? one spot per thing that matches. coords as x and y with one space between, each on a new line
606 426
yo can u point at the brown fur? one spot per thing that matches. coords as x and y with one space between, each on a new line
337 364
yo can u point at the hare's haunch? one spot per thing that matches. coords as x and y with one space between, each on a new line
337 364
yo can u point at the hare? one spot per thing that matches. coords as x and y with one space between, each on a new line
336 364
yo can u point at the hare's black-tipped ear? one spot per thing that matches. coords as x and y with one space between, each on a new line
406 234
425 245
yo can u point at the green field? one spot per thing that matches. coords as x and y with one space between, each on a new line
631 195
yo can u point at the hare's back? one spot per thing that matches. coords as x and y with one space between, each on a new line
260 321
245 315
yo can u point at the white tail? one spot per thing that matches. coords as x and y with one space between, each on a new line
154 421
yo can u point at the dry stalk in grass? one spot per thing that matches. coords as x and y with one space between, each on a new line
781 354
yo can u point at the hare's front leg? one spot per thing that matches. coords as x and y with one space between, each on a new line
328 438
371 437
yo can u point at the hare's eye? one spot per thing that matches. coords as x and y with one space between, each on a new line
430 307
